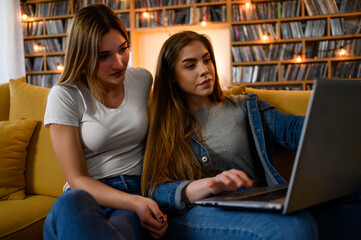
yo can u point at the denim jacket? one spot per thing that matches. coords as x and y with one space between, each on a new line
269 127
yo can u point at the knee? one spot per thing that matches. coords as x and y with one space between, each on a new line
63 210
74 200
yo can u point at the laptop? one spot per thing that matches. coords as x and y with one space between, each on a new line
327 164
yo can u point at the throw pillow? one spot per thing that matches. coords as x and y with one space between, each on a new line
14 139
43 174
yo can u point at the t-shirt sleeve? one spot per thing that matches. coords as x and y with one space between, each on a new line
61 107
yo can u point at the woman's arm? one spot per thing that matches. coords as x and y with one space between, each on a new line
175 195
68 150
283 128
226 181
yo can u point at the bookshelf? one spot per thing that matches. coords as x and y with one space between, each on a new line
150 14
288 44
44 31
266 37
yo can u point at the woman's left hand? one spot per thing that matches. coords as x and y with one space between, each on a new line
151 217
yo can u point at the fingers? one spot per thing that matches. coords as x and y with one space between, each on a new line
153 220
155 232
157 212
230 180
237 175
155 228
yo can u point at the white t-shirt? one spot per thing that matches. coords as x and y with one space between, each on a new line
112 139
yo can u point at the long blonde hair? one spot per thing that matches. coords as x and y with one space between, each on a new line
88 27
168 156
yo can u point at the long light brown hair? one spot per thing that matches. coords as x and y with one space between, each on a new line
168 156
81 61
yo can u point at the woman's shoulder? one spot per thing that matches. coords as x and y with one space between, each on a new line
68 89
138 76
69 93
236 99
139 72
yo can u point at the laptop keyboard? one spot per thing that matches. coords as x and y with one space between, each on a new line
265 197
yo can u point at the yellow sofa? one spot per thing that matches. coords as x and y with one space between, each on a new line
42 179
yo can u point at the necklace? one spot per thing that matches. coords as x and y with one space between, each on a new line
200 134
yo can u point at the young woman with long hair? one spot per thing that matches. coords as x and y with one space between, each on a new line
201 143
98 121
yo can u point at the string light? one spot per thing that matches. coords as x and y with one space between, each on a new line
299 58
60 67
265 37
24 16
204 23
38 47
146 14
248 4
342 52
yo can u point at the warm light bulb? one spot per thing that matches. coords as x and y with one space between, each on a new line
248 4
265 37
146 14
60 67
299 58
24 16
204 23
342 52
38 47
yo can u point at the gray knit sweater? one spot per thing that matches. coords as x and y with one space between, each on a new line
228 137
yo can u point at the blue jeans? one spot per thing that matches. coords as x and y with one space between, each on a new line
207 223
77 215
335 220
339 219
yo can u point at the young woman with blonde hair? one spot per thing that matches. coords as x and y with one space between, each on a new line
98 121
201 143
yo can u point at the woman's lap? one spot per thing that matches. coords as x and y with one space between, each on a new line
330 220
77 215
217 223
338 219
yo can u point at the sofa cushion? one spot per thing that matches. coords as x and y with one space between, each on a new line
19 220
5 101
294 102
14 140
42 174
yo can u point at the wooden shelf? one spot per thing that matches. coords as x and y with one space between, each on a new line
228 23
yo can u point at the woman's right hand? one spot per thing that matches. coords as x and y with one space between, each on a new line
225 181
228 181
151 217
